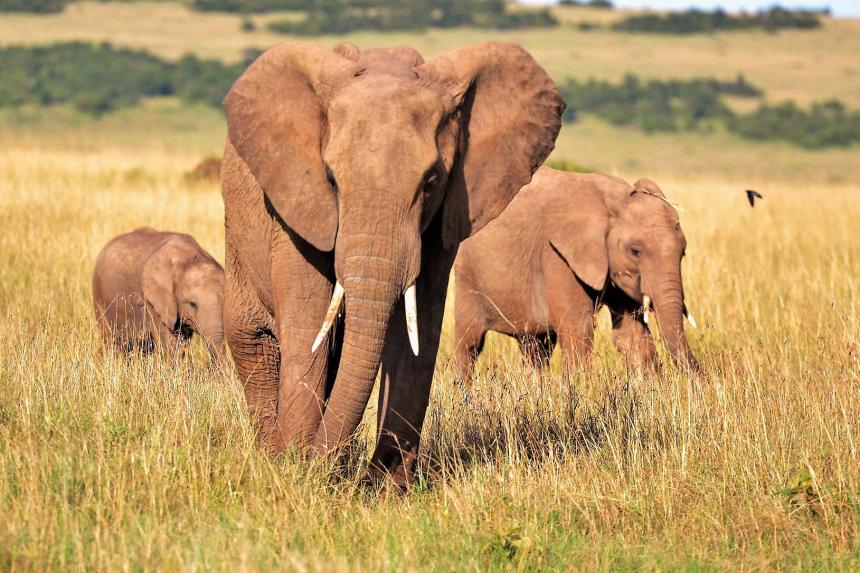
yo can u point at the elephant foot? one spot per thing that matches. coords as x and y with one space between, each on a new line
394 463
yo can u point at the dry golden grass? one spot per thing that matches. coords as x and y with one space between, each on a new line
111 465
804 66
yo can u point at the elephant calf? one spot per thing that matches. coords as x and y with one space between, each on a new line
152 287
567 244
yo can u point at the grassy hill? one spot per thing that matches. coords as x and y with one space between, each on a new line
802 66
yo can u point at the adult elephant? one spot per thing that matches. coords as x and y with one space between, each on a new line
349 180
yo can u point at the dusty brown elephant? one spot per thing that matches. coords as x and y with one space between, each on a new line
155 288
349 180
566 245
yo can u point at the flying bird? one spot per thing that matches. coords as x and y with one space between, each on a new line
752 195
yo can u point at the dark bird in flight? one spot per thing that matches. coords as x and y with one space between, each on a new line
752 195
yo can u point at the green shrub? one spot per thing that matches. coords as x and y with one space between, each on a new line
34 6
248 24
826 124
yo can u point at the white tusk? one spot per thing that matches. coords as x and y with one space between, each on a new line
333 308
411 318
692 320
646 306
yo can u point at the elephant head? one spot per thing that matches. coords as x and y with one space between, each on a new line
184 290
633 237
359 152
645 247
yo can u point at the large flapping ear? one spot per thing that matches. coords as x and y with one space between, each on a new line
275 123
510 114
578 232
159 285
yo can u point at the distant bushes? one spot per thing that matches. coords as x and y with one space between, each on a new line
33 6
99 78
826 124
695 21
698 104
250 6
655 105
588 3
343 16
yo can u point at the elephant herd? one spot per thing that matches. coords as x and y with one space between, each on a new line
349 181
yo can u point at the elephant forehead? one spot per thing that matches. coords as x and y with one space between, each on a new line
652 211
385 100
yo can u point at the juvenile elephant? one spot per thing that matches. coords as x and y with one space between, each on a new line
152 287
566 245
349 179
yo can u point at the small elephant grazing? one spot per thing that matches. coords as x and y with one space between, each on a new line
152 287
567 244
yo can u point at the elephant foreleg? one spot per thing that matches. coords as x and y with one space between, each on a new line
406 378
571 312
249 331
302 285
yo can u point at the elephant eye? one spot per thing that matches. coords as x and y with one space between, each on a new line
192 304
430 180
634 250
331 181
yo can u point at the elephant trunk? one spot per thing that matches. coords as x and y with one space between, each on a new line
373 282
211 328
669 306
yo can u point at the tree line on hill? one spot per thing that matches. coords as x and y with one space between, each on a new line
98 78
695 21
698 105
343 16
587 3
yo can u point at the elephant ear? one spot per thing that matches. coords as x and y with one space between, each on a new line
649 187
159 280
275 124
579 235
509 115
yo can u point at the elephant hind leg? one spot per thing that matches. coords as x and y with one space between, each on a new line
470 339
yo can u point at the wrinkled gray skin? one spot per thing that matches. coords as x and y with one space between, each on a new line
568 244
153 288
365 169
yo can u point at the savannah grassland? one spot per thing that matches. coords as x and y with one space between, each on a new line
148 465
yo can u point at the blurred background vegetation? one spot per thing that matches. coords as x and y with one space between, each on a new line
99 78
703 75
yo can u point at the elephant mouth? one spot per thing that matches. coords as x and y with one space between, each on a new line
411 312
